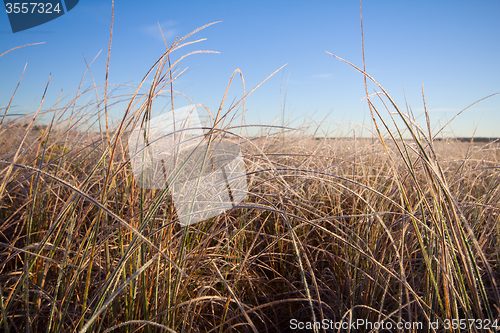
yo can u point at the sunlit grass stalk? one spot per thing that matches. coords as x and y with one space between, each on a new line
380 232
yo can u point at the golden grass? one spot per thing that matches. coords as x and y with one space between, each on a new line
386 229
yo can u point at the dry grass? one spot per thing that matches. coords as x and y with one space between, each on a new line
387 229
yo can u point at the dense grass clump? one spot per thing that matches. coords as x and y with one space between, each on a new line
400 228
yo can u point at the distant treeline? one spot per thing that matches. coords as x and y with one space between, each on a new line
465 139
476 139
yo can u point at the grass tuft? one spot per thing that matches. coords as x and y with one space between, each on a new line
401 228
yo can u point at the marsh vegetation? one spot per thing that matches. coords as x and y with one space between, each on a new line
398 228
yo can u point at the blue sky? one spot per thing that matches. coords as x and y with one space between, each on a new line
452 47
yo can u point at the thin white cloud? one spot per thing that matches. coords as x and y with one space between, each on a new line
166 27
323 76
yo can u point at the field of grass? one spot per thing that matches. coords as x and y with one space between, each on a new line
400 228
